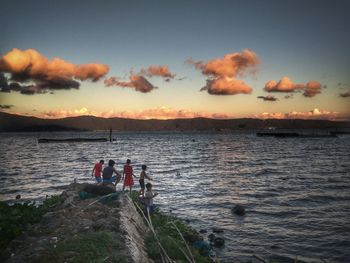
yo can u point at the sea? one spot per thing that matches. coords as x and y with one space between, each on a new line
295 191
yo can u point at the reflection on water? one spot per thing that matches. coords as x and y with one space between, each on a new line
296 190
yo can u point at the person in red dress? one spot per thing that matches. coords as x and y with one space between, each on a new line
97 171
127 175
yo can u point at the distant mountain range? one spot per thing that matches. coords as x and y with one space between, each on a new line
15 123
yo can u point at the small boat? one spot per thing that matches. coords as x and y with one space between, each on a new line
294 134
277 134
72 140
339 132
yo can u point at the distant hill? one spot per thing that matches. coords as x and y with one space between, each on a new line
11 122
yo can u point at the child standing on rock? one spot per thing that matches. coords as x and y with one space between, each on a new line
127 175
149 206
97 171
142 179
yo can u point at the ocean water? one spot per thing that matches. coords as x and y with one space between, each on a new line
296 191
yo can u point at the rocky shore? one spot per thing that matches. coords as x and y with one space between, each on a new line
86 228
117 226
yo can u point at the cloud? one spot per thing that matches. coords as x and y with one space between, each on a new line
222 73
310 89
153 113
44 74
267 98
6 86
160 71
342 85
226 86
314 114
5 107
345 94
137 82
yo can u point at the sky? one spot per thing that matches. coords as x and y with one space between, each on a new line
176 59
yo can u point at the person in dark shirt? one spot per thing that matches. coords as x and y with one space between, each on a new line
143 175
107 173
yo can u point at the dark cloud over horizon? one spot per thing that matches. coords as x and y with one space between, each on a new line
139 83
267 98
345 94
5 107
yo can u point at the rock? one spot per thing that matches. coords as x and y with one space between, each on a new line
68 202
211 237
203 247
202 231
217 230
99 189
18 197
218 242
238 210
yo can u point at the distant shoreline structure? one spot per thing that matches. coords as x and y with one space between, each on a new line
18 123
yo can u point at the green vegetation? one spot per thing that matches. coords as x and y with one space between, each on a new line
15 218
170 238
91 247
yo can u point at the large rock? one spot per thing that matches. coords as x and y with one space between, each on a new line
99 189
218 242
238 210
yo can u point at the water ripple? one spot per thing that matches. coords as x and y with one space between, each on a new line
296 191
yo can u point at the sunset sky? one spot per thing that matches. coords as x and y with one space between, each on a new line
170 59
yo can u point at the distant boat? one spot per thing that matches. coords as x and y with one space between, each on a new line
293 134
72 140
277 134
339 132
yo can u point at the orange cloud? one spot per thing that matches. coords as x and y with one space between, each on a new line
315 114
31 66
137 82
160 71
226 86
223 72
309 89
162 113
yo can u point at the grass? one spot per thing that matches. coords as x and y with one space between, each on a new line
170 238
15 218
90 247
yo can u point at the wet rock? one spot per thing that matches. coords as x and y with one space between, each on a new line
274 247
217 230
238 210
18 197
211 237
218 242
203 247
202 231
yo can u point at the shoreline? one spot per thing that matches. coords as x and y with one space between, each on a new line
75 224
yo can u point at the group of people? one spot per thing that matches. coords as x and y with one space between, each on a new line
106 175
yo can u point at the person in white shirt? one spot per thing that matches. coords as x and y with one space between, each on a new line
149 198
